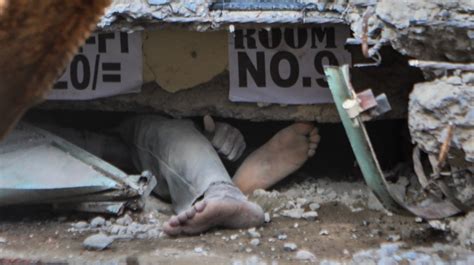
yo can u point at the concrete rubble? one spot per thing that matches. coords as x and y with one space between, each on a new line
280 242
125 228
98 242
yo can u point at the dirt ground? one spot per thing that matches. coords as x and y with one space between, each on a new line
345 232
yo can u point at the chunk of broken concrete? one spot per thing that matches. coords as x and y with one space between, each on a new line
293 213
290 246
310 216
255 242
124 220
97 242
305 255
80 225
314 206
98 221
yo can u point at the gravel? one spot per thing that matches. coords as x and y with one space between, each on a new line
305 255
252 232
80 225
125 220
310 216
267 218
324 232
97 222
290 246
255 242
314 206
296 213
97 242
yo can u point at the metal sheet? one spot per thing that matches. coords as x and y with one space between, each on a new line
39 167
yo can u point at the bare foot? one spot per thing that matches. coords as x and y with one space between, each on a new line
283 154
223 206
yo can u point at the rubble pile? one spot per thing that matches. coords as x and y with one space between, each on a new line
394 253
302 200
122 228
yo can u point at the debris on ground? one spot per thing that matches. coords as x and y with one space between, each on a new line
345 235
305 255
122 228
98 242
463 228
290 246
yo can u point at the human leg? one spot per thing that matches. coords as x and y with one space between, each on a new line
191 174
283 154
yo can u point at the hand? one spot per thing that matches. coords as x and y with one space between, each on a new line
227 140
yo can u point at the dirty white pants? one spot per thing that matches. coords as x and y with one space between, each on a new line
183 160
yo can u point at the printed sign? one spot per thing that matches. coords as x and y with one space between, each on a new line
108 64
285 65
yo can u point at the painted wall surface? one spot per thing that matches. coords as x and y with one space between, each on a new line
179 59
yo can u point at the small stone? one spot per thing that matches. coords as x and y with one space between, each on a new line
419 220
271 239
310 216
365 223
346 252
116 229
302 202
199 250
124 220
388 250
438 225
290 247
387 261
411 255
324 232
248 250
305 255
80 225
255 242
376 232
253 233
267 218
393 238
97 242
314 206
293 213
282 237
97 222
296 225
234 236
3 240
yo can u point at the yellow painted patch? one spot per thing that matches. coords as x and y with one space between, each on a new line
178 59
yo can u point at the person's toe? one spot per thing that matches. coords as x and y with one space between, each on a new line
199 206
314 135
174 221
190 213
303 128
182 217
169 230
